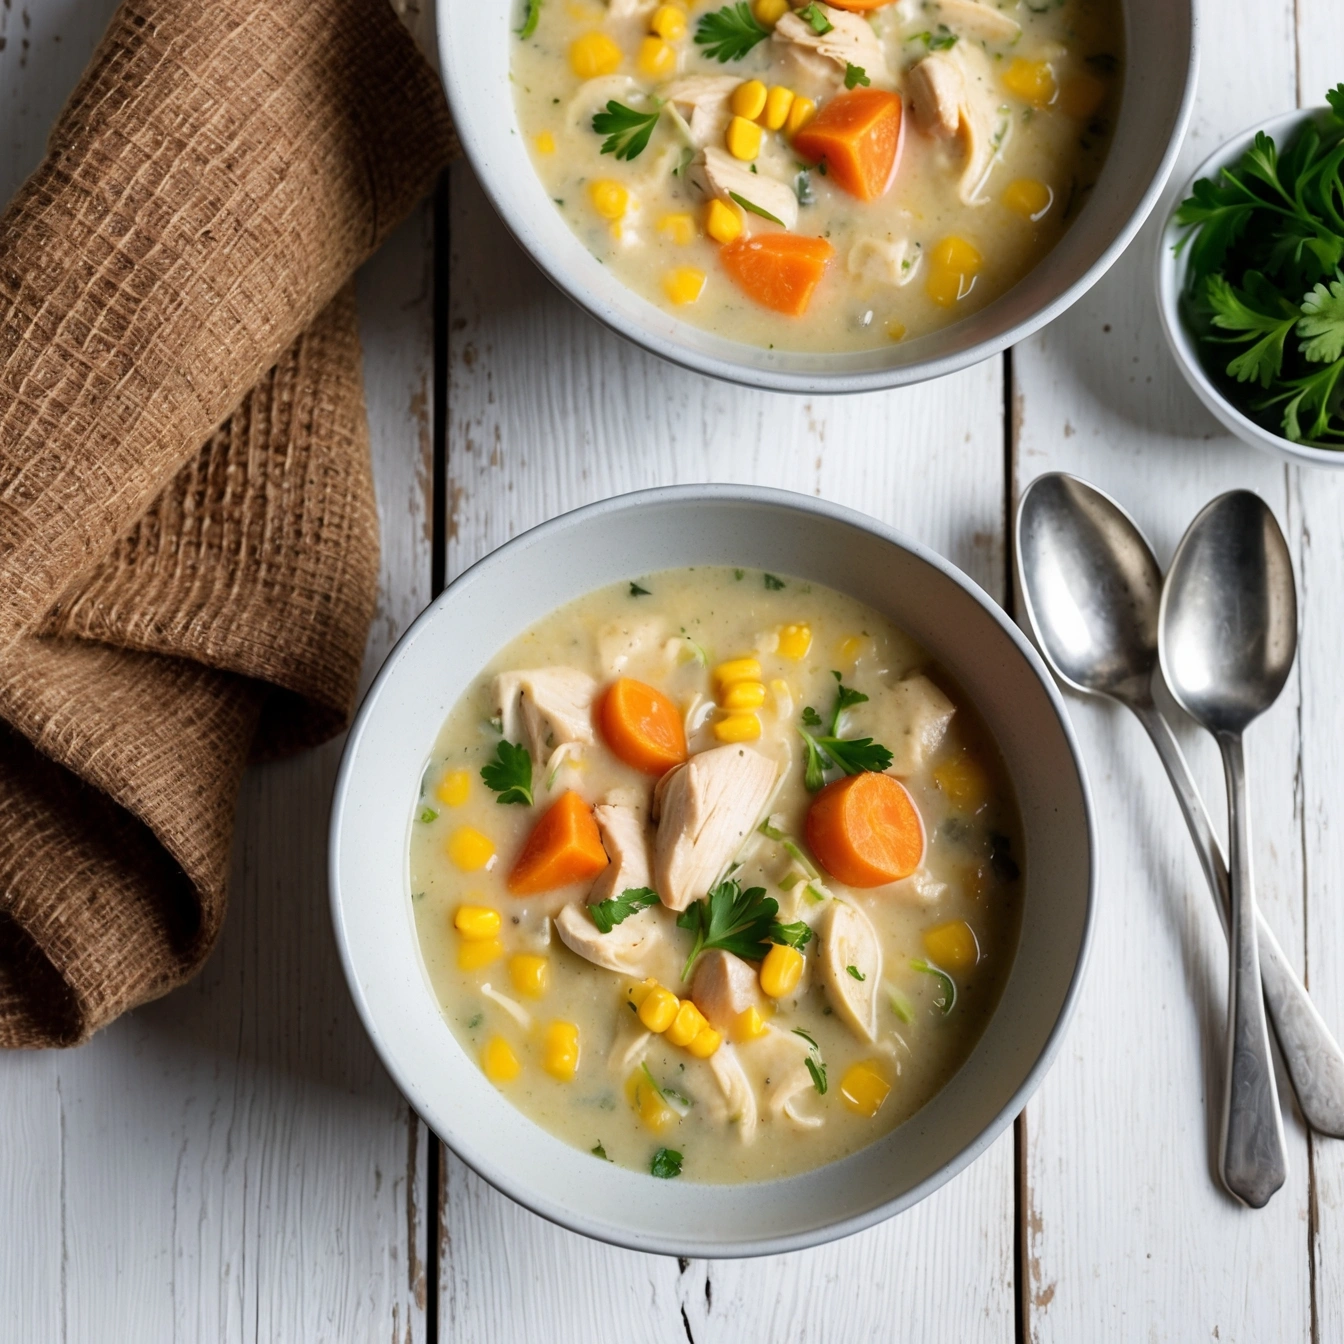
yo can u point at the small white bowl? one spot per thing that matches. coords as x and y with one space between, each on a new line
1159 84
1171 273
489 605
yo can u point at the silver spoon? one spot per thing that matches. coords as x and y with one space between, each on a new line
1226 638
1091 587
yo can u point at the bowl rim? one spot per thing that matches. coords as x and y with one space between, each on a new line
823 383
1169 278
669 1244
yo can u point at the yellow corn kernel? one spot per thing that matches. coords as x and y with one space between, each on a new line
779 688
1031 81
610 199
706 1042
659 1009
475 955
743 139
1028 197
954 264
743 695
1081 95
794 641
638 993
946 288
748 99
656 58
687 1025
963 782
952 945
777 104
469 849
748 1025
769 12
646 1103
594 54
738 728
864 1088
680 228
545 142
723 222
849 648
685 284
454 788
956 254
802 111
737 669
476 923
560 1050
669 22
529 973
498 1062
781 970
895 330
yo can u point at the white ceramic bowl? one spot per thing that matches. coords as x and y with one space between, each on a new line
496 600
1155 106
1171 274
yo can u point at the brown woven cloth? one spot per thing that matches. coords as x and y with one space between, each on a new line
176 274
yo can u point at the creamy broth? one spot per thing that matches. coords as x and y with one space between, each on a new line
1005 117
674 636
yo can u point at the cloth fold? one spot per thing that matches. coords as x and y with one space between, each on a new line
188 534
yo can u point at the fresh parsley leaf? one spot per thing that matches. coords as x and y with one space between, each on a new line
830 750
817 1069
756 210
729 33
812 15
942 40
1322 321
510 774
739 574
637 591
627 131
856 973
428 814
796 934
531 13
855 75
666 1164
737 921
608 914
772 583
811 718
814 774
948 1001
599 1151
1233 311
1315 392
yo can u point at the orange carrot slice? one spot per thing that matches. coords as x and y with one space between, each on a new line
564 847
779 270
858 137
641 726
865 830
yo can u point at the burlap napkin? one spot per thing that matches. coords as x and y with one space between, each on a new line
175 274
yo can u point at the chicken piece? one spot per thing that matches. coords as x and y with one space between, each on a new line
780 1058
980 22
618 10
920 888
703 102
849 41
706 809
723 988
953 94
910 719
549 707
625 837
636 946
737 1091
717 173
849 939
885 262
620 641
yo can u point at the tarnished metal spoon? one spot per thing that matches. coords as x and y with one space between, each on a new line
1091 587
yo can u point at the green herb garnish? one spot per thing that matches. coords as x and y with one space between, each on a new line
942 40
737 921
510 774
666 1164
627 131
774 219
637 591
856 973
599 1151
854 75
428 814
830 751
796 934
531 13
815 1065
819 22
773 584
948 1001
791 848
729 33
607 914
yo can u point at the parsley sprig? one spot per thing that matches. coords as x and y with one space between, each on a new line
510 774
829 750
531 13
627 131
608 914
855 75
729 33
1265 277
816 1066
737 921
666 1164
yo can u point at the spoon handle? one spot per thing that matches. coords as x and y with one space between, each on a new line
1313 1058
1254 1158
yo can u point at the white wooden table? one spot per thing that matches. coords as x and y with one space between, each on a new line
231 1163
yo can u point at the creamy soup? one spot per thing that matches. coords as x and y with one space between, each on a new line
662 916
871 176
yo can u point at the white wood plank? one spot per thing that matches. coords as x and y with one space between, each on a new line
549 411
1128 1235
232 1163
1319 504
